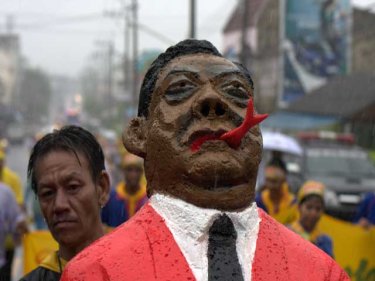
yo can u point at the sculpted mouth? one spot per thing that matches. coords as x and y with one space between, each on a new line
234 137
201 136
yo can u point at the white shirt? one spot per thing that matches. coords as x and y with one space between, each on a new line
190 225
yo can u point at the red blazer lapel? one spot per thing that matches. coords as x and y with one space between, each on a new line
169 262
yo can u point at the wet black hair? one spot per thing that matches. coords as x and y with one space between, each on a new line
183 48
308 197
72 139
279 163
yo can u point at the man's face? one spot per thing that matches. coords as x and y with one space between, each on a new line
133 175
310 211
274 178
195 96
68 196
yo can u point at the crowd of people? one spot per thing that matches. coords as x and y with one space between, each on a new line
302 212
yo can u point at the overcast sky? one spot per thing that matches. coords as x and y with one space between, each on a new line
60 35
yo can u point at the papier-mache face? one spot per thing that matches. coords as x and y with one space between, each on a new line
197 98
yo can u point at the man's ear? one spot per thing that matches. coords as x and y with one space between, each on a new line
135 136
103 184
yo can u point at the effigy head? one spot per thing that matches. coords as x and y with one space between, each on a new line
192 131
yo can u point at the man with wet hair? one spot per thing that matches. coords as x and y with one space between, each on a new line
197 132
67 174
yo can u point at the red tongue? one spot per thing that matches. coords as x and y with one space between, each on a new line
196 145
234 137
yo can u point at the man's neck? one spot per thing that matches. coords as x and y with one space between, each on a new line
275 195
307 228
131 189
67 252
227 198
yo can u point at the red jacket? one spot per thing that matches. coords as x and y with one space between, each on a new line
144 249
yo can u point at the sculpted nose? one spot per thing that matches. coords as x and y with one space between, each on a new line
210 106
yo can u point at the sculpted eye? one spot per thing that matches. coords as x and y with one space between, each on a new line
236 89
179 90
182 85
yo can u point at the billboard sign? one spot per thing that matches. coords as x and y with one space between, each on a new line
316 44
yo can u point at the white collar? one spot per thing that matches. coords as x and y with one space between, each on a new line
195 221
190 225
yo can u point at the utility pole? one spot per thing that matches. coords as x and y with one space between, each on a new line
126 49
110 73
105 53
135 52
192 19
245 10
279 103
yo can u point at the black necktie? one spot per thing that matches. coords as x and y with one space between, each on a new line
223 264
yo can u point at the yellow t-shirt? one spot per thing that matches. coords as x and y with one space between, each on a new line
54 263
287 212
132 199
12 180
310 236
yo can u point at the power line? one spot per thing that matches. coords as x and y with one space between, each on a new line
63 20
70 30
156 34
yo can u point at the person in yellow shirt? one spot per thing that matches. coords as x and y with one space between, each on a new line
11 179
275 198
311 208
130 194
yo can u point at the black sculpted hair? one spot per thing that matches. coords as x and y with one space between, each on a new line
246 73
183 48
71 139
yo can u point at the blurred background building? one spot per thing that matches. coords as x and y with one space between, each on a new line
295 50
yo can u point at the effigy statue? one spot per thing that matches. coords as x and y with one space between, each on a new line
198 133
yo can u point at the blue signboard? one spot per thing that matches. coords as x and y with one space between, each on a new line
316 44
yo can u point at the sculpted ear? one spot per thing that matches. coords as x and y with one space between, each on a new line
134 137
